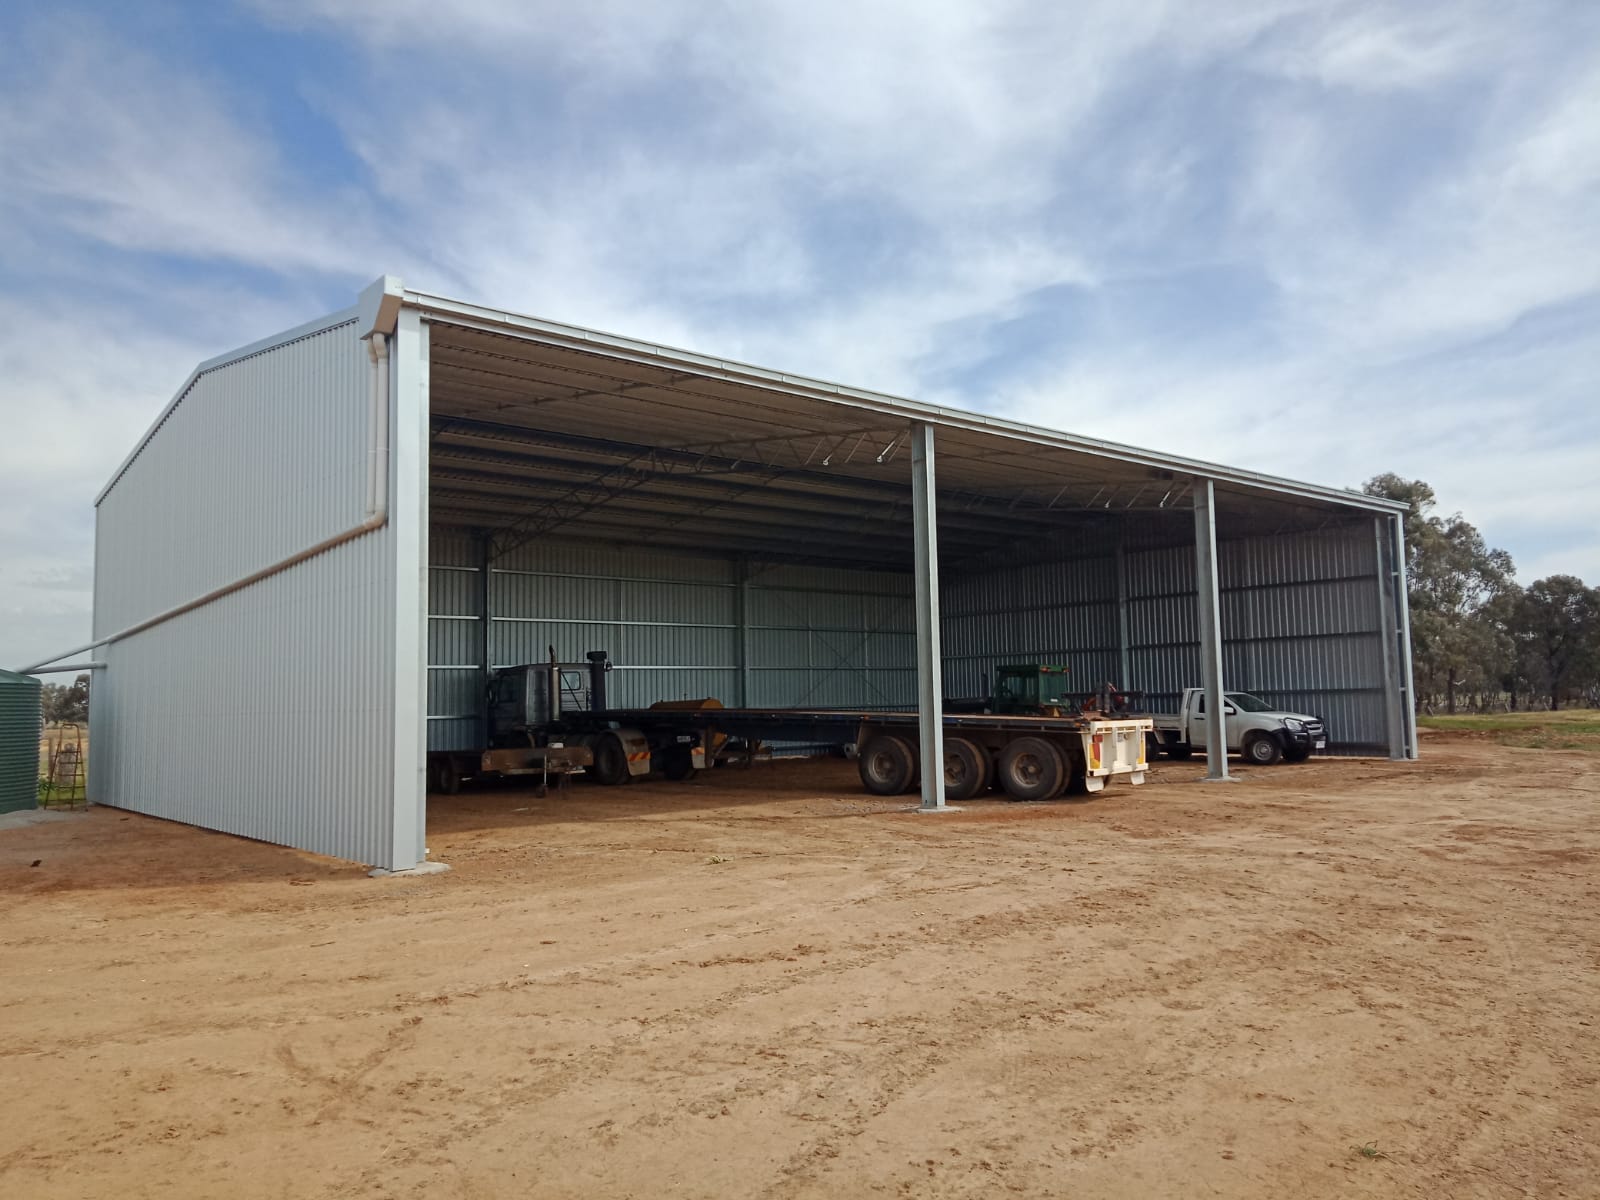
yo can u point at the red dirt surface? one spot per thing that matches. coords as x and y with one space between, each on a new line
767 983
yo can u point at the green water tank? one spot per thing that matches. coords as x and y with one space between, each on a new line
19 742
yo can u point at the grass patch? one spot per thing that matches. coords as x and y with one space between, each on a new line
1568 729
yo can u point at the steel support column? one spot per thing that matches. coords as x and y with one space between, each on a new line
741 617
1402 582
483 554
1124 637
1389 631
1210 605
408 518
930 682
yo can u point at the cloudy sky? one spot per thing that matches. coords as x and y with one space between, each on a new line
1316 238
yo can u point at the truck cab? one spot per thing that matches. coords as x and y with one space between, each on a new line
1255 729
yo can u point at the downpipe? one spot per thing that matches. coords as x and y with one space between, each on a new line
376 512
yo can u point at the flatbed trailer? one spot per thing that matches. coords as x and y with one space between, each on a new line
549 706
1027 757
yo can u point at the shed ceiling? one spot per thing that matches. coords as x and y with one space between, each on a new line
554 432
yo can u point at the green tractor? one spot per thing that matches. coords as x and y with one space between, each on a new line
1037 690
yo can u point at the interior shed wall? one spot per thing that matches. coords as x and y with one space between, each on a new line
1300 619
676 626
268 712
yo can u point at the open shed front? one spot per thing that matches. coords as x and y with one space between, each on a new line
731 532
305 569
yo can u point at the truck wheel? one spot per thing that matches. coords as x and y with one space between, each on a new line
610 761
887 764
966 769
1032 769
1263 749
449 776
677 764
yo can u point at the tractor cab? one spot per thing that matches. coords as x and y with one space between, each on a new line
1033 691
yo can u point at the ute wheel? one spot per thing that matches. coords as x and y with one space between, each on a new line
966 769
1263 750
610 761
677 764
1031 768
887 764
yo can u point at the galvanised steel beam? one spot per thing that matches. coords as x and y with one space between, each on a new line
1210 603
408 518
1389 632
1403 595
930 682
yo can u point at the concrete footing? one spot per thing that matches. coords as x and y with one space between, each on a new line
422 868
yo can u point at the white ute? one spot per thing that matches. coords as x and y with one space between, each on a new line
1256 730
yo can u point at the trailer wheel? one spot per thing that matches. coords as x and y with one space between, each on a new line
1032 769
610 761
677 764
1263 749
967 768
887 764
449 776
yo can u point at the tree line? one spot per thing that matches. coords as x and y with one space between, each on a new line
65 703
1478 638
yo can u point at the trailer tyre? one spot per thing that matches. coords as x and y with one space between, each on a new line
610 761
1032 769
449 776
967 769
887 764
677 764
1263 750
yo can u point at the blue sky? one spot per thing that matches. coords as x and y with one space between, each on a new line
1320 239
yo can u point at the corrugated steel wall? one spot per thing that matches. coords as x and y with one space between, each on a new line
817 637
1299 614
269 712
1300 622
1062 613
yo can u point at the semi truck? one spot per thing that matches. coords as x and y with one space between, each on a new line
554 719
1255 729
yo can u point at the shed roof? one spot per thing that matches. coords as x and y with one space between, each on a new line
539 429
542 429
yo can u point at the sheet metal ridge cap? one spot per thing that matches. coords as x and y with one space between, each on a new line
906 407
272 342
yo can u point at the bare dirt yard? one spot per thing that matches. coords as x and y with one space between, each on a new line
767 984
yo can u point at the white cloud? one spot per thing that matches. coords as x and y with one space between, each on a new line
106 143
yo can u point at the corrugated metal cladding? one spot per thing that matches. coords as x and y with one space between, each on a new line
1062 613
19 741
808 636
269 712
1300 620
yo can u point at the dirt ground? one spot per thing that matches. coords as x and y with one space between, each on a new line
765 983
